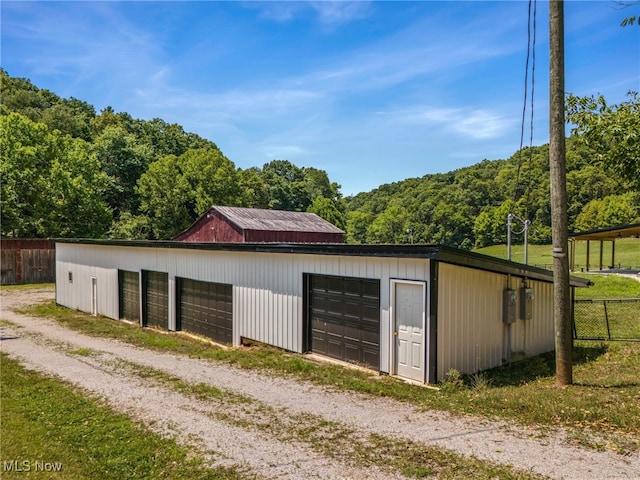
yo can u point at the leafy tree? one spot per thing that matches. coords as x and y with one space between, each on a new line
124 160
586 184
212 179
611 211
490 226
356 226
174 191
254 189
51 184
61 117
389 226
318 184
287 187
452 225
168 138
633 19
130 227
612 131
165 198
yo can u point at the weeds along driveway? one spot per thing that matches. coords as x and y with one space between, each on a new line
284 428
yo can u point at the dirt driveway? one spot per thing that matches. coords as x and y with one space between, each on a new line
251 419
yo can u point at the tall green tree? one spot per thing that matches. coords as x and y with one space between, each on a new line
174 191
612 131
165 198
388 227
254 188
124 159
212 178
287 187
326 208
356 226
610 211
51 183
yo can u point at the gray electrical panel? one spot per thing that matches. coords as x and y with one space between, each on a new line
509 305
526 303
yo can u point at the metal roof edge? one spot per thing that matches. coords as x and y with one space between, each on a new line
440 253
466 258
629 226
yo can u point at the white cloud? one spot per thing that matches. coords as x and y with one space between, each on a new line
337 12
481 124
329 13
283 151
477 124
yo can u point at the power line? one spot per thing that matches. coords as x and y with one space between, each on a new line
530 58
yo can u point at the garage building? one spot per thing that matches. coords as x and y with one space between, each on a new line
414 311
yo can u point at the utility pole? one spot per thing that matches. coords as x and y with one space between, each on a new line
559 226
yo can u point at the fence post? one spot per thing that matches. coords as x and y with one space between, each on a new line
606 318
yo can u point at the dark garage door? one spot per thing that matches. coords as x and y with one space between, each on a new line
155 291
129 293
205 308
345 318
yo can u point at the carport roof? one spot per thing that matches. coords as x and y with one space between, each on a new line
609 233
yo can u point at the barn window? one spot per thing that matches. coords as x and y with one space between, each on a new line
70 277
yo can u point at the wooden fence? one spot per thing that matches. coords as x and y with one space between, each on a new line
27 265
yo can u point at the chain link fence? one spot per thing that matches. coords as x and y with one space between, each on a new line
617 319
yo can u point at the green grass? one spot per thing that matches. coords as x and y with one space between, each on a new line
608 286
627 254
27 286
46 420
604 399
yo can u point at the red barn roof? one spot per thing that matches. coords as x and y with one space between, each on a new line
239 225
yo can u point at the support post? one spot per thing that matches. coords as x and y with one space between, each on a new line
613 253
588 256
601 247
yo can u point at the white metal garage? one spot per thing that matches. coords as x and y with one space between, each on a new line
411 311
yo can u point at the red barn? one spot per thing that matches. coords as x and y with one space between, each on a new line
255 225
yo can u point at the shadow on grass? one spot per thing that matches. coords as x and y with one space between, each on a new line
540 366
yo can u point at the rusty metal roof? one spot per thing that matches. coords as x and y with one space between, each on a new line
275 220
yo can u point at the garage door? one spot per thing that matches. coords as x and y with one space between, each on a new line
129 294
205 308
155 295
345 318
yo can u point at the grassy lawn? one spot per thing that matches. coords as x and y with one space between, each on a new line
608 286
605 399
47 425
627 253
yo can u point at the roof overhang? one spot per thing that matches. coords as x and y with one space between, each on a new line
609 233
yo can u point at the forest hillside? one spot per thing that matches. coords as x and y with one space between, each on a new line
68 171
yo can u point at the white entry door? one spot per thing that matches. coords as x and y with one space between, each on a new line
409 312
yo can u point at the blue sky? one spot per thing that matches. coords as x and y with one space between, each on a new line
371 92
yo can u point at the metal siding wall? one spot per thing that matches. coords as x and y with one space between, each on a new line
267 287
108 293
471 335
470 328
536 336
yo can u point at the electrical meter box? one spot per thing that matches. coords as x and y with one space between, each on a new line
509 304
526 303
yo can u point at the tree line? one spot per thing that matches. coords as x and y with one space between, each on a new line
67 171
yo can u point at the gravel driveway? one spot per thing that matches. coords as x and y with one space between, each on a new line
250 422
